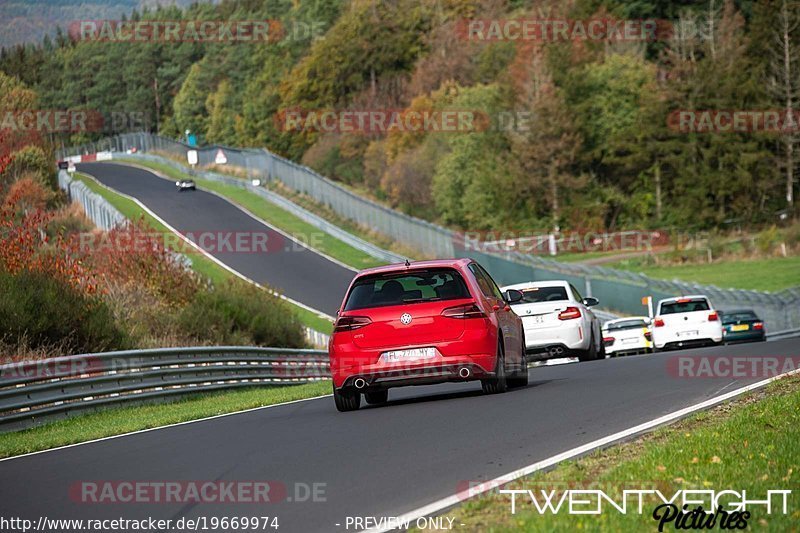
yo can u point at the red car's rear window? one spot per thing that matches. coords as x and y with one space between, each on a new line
406 287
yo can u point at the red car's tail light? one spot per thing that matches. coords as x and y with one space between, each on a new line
758 325
349 323
463 311
658 322
713 317
569 313
608 340
648 336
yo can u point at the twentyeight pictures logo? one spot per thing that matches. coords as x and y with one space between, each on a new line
681 509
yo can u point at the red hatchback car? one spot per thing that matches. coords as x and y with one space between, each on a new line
421 323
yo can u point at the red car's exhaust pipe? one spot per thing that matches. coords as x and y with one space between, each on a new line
464 372
359 383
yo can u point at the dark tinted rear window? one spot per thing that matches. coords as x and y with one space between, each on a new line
731 318
543 294
694 304
406 288
626 324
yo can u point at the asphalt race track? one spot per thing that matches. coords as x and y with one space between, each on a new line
378 461
291 269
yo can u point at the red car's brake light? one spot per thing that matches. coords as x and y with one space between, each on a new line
349 323
758 325
569 313
713 317
463 311
658 322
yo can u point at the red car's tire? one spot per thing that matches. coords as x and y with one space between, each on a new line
520 379
497 384
346 399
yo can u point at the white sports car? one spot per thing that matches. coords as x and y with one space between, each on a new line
558 321
630 335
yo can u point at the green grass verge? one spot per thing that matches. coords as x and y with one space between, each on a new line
276 216
200 263
772 274
118 420
750 444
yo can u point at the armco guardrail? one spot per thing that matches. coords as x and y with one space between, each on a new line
785 334
34 392
104 215
617 290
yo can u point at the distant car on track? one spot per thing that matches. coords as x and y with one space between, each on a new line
685 322
742 325
424 322
185 185
558 321
625 336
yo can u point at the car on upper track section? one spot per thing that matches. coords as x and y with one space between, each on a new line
185 185
421 323
686 321
558 321
626 336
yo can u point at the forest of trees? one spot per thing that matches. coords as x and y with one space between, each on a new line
598 152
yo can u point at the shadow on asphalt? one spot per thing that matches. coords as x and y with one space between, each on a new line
441 396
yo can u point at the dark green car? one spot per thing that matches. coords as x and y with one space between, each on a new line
742 325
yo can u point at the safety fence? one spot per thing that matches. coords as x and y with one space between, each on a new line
34 392
617 290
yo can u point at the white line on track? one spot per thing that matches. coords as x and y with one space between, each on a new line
485 486
164 427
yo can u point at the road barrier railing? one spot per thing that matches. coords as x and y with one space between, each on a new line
785 334
33 392
104 215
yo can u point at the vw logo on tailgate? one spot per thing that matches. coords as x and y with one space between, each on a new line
405 318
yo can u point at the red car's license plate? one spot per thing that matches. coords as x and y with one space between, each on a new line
408 355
